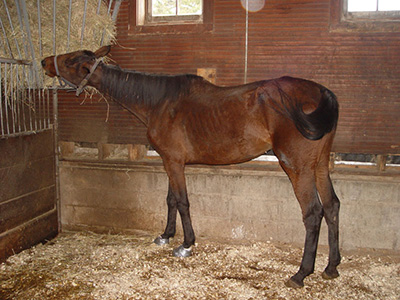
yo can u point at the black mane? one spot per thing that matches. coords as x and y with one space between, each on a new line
128 86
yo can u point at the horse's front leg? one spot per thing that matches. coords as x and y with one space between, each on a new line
178 200
170 229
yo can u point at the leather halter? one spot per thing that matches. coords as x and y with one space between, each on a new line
79 88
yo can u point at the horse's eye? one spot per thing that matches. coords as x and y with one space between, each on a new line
68 62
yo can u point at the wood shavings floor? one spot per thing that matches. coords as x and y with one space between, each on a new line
84 265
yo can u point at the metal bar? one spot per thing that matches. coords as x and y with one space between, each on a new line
1 102
98 7
38 99
15 61
24 133
21 24
26 96
48 107
18 99
116 10
55 128
109 6
69 23
33 55
22 98
246 47
56 159
12 99
39 28
45 109
32 101
5 98
43 112
83 22
113 16
2 45
6 38
12 28
104 31
42 79
98 12
54 26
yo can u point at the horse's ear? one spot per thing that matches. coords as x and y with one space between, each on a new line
103 51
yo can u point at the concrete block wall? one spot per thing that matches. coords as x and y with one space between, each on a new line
247 202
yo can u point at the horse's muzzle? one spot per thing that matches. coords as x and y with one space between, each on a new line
48 66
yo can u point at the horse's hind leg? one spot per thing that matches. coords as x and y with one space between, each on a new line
331 206
302 177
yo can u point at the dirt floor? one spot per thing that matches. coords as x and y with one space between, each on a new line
84 265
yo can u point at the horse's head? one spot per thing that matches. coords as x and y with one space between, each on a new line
73 67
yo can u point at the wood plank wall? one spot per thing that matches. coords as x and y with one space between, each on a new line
27 192
359 62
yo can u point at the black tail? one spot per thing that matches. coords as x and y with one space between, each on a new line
321 121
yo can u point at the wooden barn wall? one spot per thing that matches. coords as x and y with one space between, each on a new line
297 38
28 212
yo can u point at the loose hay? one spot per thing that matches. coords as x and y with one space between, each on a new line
84 265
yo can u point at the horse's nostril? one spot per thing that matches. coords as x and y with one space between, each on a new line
43 63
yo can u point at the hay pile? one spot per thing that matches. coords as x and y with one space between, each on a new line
98 28
91 266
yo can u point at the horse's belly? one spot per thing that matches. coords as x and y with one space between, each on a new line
231 132
228 151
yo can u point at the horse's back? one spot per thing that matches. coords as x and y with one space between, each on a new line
225 125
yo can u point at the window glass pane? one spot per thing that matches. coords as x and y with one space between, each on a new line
163 7
190 7
385 5
362 5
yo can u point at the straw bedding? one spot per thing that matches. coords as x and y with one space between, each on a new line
85 265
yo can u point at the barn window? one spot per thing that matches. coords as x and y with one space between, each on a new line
372 5
371 9
173 8
171 16
365 15
169 12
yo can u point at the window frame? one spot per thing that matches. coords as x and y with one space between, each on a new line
370 15
139 25
149 19
341 20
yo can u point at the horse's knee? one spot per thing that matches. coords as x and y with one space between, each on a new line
331 211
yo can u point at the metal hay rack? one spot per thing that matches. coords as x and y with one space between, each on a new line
26 104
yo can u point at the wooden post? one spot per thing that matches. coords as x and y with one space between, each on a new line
209 74
381 162
66 148
136 152
332 161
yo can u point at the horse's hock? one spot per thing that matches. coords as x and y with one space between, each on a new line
252 202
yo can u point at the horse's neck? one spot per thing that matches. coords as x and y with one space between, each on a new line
118 85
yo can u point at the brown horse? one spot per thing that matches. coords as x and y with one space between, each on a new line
191 121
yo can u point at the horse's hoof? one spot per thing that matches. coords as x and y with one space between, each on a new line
161 241
291 283
182 252
330 275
